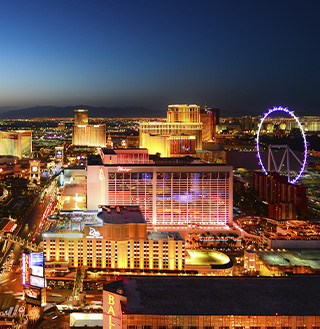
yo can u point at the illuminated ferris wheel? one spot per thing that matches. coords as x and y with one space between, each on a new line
287 150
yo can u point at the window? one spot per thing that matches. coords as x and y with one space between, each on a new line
132 327
148 327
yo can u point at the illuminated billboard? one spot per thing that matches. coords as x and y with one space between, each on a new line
25 269
32 296
36 264
36 281
33 269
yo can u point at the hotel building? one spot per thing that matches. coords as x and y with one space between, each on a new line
80 117
208 120
16 143
85 134
171 194
119 241
212 303
180 135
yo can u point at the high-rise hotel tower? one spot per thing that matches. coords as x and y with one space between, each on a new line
170 194
180 135
85 134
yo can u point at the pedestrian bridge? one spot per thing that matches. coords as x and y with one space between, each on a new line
20 241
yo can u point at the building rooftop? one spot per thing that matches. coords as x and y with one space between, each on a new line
108 151
94 160
292 258
165 236
297 295
120 214
207 257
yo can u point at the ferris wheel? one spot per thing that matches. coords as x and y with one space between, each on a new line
287 149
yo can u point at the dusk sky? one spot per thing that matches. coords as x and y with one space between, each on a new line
236 55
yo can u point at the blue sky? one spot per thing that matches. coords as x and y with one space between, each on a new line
236 55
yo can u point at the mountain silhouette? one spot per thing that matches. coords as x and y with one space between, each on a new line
93 112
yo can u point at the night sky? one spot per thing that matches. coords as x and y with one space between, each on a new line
239 56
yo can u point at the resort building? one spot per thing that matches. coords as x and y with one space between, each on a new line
118 240
170 195
16 143
181 134
85 134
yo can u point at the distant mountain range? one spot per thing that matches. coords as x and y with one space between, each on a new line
109 112
93 112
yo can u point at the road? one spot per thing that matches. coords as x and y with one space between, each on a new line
10 281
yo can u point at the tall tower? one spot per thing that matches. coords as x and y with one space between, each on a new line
80 117
85 134
208 120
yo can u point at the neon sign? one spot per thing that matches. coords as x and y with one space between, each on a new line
94 233
25 269
122 169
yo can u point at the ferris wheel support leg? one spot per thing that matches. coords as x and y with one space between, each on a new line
282 160
305 168
274 163
269 154
288 163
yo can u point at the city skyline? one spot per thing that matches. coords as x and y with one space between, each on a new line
246 56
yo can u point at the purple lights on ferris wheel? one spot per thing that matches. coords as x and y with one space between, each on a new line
305 153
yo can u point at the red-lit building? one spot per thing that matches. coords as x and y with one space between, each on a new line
286 200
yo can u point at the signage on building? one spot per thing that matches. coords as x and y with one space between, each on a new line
93 233
122 169
112 314
32 296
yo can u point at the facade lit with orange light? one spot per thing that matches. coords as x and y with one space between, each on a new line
89 135
85 134
120 242
168 195
208 120
180 135
80 117
17 143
